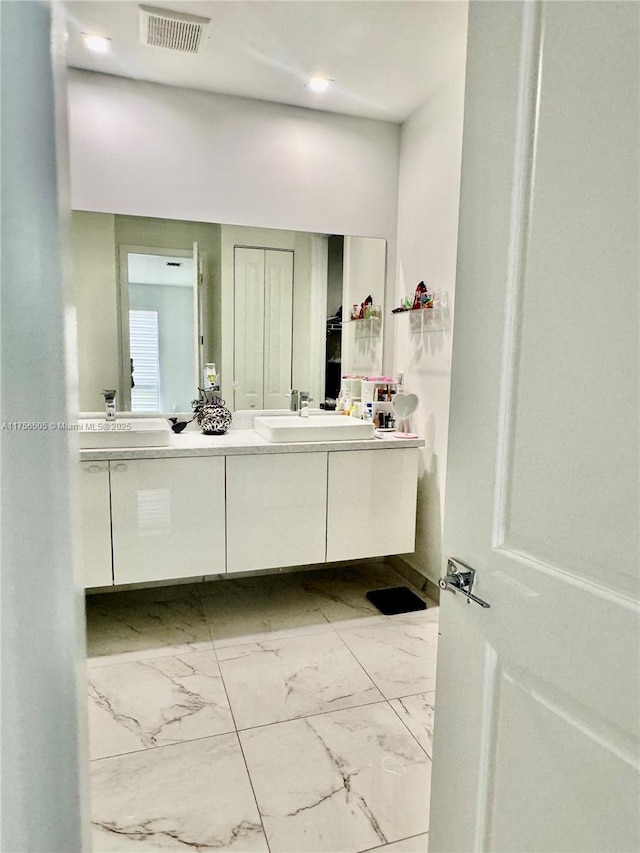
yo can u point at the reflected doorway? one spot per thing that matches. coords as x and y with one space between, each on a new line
159 315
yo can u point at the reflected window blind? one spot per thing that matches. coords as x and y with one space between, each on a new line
145 352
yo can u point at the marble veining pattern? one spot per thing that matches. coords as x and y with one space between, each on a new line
280 680
262 608
284 703
190 796
417 844
119 629
151 702
341 594
400 655
343 781
417 713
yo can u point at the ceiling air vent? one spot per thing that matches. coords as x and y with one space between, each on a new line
172 30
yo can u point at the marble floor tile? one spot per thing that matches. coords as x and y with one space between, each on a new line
417 713
399 655
119 629
417 844
340 592
343 781
189 796
431 614
284 679
152 702
242 610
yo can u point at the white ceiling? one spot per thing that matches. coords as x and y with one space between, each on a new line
386 56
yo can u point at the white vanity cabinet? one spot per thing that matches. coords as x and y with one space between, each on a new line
95 524
198 514
276 510
371 503
168 518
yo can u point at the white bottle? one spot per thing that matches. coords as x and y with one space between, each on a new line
210 376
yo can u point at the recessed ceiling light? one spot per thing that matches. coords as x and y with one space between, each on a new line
319 84
97 44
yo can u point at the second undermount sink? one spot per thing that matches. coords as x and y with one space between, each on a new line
124 432
313 428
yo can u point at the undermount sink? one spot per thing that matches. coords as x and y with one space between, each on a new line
313 428
124 432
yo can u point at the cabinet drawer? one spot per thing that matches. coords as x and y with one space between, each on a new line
168 518
371 503
276 510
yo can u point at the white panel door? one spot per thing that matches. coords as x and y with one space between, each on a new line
168 518
536 729
248 337
371 505
276 510
278 328
94 531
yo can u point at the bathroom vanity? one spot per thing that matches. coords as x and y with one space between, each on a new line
212 505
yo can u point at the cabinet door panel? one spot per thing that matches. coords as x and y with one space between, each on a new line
371 503
94 523
276 510
168 518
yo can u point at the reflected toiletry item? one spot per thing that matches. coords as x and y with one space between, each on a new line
210 376
421 289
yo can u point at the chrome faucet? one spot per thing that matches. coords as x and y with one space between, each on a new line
294 400
110 404
298 400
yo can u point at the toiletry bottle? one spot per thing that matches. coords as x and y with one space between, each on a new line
210 376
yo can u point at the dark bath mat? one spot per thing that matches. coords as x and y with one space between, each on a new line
396 599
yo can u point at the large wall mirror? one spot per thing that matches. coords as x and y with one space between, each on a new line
158 299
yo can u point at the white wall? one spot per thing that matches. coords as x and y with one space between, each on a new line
96 302
429 188
364 265
43 765
151 150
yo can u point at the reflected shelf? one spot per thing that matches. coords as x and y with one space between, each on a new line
427 319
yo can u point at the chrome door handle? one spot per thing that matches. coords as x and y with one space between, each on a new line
460 580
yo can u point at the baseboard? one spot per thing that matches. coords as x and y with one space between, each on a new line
415 577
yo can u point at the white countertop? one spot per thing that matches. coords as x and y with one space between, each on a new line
238 442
